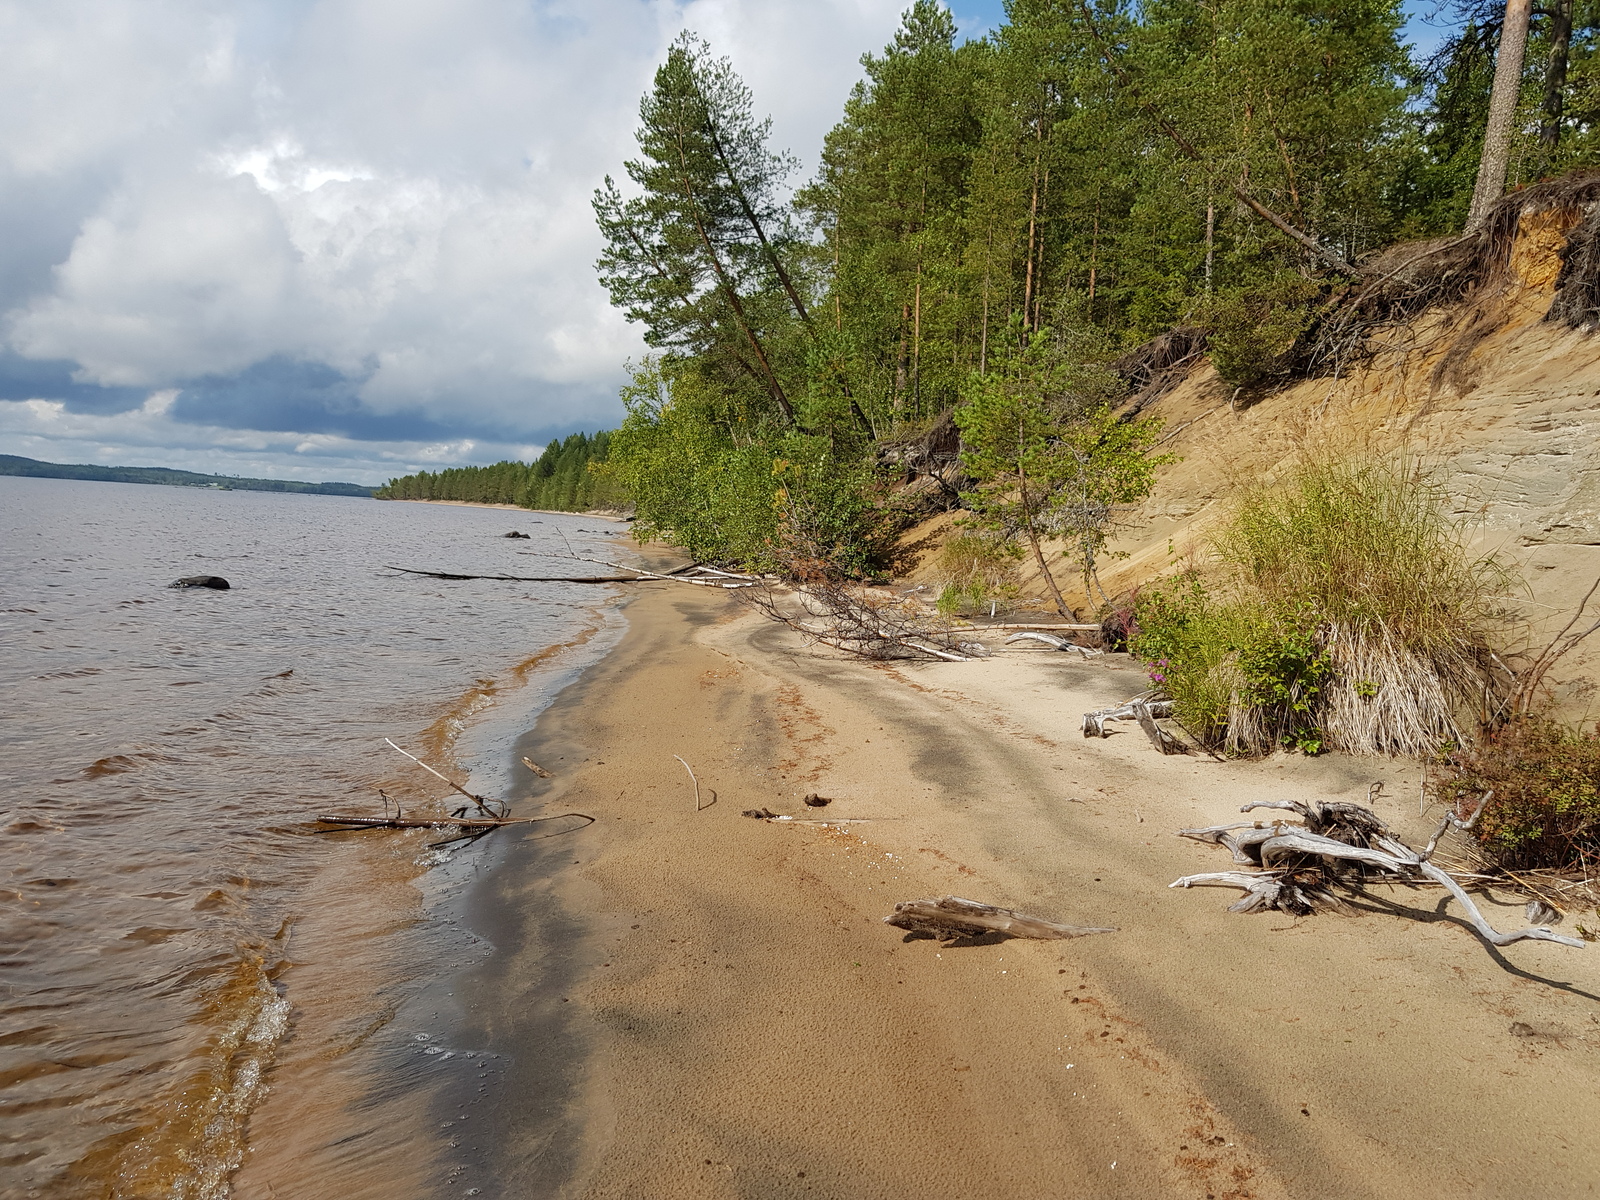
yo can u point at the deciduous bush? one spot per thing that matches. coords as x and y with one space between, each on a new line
1545 811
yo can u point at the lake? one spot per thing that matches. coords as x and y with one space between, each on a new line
174 929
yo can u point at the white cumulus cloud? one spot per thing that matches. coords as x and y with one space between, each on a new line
217 200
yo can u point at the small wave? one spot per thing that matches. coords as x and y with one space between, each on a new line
115 764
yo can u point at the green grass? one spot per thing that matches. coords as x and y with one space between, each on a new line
1341 608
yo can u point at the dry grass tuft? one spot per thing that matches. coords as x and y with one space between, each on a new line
1345 611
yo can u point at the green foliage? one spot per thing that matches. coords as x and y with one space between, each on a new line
1545 811
1047 455
701 478
563 478
1251 331
975 194
1367 544
1340 599
979 570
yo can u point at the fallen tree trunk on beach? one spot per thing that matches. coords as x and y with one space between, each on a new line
952 917
1339 845
1057 643
723 579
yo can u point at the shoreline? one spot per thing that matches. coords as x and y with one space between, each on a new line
548 512
690 1003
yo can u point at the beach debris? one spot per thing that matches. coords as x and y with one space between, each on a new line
215 582
1094 723
515 534
483 805
496 814
535 767
951 917
697 804
766 814
1337 845
1146 708
812 800
834 612
1537 912
694 573
1060 643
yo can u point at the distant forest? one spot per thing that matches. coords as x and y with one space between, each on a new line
13 464
563 479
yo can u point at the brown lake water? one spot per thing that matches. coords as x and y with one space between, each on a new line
190 978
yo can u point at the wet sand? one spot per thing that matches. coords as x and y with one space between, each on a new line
691 1003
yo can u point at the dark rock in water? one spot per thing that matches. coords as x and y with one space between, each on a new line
215 582
515 534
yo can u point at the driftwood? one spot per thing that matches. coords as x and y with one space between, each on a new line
1145 710
833 612
722 579
953 917
1070 627
1339 845
1094 723
471 828
1059 643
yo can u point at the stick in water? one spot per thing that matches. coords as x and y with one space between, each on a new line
690 769
478 800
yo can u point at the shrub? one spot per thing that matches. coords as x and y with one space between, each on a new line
1251 332
1545 811
736 499
1345 611
978 570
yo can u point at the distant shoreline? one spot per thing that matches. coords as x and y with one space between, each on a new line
33 468
554 512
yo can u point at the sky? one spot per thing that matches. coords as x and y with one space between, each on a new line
347 239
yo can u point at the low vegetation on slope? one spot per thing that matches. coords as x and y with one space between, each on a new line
1339 609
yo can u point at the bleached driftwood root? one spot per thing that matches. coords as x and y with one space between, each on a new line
1060 643
953 917
1340 844
1144 709
1094 723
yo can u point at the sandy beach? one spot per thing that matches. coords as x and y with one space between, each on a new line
696 1004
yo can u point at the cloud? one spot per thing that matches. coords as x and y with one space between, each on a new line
154 435
359 220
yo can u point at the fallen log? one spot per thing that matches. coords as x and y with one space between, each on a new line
520 578
952 917
1059 643
1070 627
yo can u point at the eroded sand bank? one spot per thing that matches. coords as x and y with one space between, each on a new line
697 1004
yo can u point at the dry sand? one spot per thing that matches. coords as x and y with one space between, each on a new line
696 1004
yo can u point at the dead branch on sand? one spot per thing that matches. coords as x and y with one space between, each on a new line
472 828
846 616
952 917
699 576
1145 708
1337 845
1058 643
